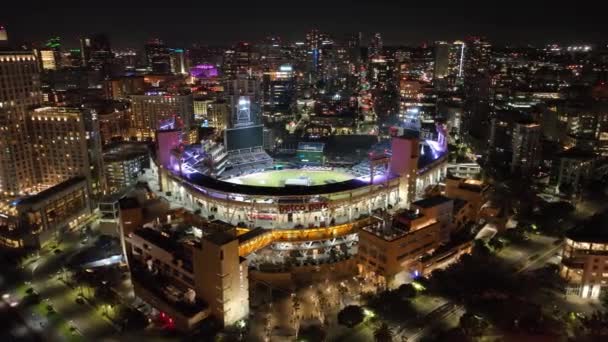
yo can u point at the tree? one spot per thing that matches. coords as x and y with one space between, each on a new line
604 299
313 333
496 244
480 248
407 291
472 325
383 333
351 315
596 324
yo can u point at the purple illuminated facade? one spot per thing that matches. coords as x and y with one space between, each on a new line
204 71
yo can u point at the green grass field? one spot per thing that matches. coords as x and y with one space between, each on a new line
278 178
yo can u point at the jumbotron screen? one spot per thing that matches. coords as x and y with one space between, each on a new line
245 137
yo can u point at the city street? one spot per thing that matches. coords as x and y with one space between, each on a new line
42 274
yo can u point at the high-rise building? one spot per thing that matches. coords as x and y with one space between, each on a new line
59 143
319 47
97 53
158 56
279 93
476 87
449 59
376 46
241 59
20 91
178 62
526 148
50 54
119 88
152 111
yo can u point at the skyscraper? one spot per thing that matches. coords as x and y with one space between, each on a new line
526 148
59 145
152 111
477 87
279 93
158 56
20 91
97 53
241 59
449 59
178 62
375 46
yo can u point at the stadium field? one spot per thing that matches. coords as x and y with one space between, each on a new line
278 178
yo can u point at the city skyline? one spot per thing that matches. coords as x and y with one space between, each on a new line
216 24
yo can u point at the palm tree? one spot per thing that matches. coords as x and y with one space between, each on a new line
383 333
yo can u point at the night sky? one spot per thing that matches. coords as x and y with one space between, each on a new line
213 23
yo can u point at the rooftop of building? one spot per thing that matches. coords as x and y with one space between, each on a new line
129 203
52 191
124 151
252 234
161 239
594 229
221 238
432 201
576 153
392 227
469 184
171 292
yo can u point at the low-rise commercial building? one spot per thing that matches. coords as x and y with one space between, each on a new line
34 220
189 274
473 191
390 245
585 258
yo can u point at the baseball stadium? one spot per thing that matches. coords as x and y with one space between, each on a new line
306 212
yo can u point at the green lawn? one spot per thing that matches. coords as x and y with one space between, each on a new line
278 178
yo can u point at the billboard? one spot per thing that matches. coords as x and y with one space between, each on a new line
245 137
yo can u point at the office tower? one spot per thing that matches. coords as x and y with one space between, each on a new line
114 120
119 88
239 89
375 46
245 130
97 53
272 55
241 59
48 59
158 56
318 49
477 87
178 62
156 110
20 91
279 93
354 47
50 54
72 58
526 148
59 142
449 59
477 56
